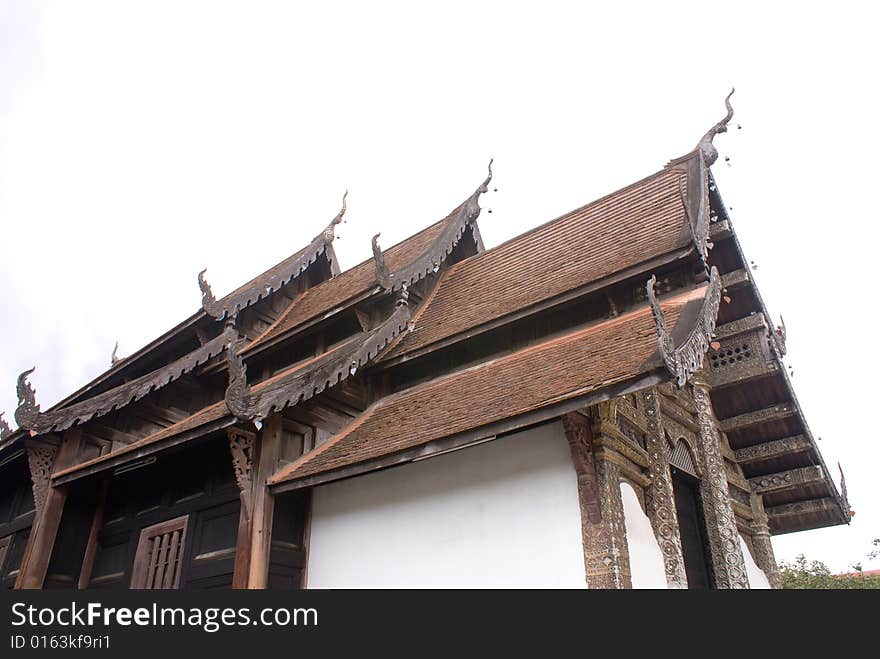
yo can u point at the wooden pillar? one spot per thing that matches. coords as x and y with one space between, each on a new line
659 495
762 547
43 457
606 556
724 543
241 445
267 454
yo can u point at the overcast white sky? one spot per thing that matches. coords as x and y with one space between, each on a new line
143 141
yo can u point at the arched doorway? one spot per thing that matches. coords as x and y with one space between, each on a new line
691 522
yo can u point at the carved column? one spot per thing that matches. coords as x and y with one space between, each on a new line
660 498
727 558
606 557
241 446
48 506
761 545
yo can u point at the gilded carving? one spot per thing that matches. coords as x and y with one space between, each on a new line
659 495
687 358
724 544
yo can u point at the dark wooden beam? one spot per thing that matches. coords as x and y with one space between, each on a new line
799 508
785 480
772 450
774 413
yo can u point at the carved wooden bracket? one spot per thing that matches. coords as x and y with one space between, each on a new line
687 358
41 457
241 445
577 432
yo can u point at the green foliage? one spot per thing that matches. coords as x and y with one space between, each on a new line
816 575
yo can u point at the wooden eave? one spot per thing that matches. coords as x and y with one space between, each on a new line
685 198
778 455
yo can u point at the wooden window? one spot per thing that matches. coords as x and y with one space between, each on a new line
4 549
159 555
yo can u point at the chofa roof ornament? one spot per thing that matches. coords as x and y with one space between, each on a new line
272 280
430 260
5 430
706 147
28 410
687 358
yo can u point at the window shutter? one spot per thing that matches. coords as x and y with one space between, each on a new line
159 555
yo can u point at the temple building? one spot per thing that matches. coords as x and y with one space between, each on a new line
600 402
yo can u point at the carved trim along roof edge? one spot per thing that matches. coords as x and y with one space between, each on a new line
28 413
684 360
5 430
431 259
328 370
378 271
272 280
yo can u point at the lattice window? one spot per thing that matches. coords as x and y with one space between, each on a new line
730 355
159 555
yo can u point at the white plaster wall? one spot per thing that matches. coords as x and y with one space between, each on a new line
501 514
757 577
645 555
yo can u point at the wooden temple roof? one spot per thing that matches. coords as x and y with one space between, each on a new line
662 224
640 223
574 365
347 286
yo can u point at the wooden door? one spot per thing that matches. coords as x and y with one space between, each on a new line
693 530
159 556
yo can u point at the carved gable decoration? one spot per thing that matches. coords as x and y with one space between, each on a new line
687 358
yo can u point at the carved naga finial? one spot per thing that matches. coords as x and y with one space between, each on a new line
208 299
382 274
113 358
238 391
707 148
780 334
329 233
28 410
5 430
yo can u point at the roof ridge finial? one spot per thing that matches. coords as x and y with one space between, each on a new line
329 233
484 188
28 410
113 358
382 274
238 390
5 430
706 147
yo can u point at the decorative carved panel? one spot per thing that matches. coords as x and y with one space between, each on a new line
724 544
40 460
660 499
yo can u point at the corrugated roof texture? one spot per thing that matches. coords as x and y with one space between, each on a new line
641 222
564 367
